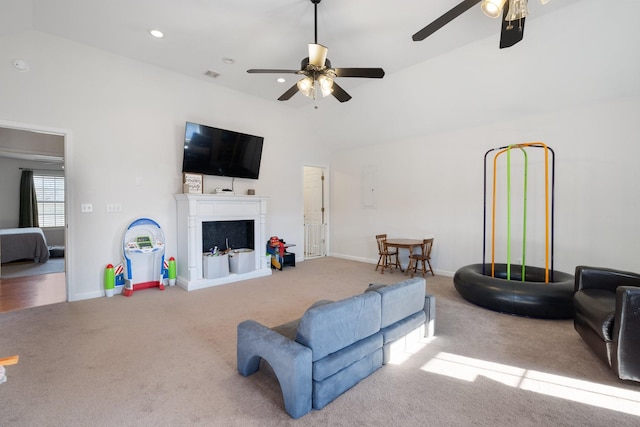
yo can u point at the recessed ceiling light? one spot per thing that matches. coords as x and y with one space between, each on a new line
156 33
281 80
228 61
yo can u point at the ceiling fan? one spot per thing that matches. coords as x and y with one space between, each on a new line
510 34
318 73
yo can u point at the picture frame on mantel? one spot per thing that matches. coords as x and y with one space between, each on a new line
192 183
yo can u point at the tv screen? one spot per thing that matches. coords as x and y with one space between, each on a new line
213 151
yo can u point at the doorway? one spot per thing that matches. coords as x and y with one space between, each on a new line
43 150
315 221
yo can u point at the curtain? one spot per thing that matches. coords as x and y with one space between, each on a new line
28 202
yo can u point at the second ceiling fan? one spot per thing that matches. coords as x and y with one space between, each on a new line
513 18
318 73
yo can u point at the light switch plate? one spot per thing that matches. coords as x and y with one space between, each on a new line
114 207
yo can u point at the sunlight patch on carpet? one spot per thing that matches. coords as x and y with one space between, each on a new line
470 369
401 350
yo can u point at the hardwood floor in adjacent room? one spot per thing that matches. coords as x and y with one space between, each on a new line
32 291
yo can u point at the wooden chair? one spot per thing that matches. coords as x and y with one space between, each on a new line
388 258
424 257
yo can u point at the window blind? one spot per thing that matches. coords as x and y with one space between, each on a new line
50 199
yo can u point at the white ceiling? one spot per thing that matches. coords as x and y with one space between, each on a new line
574 53
259 33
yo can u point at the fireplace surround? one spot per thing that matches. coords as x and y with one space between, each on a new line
236 211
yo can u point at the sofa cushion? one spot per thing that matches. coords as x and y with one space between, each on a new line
401 300
332 387
403 327
290 329
331 327
337 361
597 307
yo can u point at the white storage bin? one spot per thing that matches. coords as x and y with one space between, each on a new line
215 266
242 261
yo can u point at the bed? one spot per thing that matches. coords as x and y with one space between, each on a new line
23 243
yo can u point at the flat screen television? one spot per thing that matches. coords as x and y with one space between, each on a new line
213 151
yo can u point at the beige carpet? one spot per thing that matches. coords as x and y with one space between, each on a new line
168 359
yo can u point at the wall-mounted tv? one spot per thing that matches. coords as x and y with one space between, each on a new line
213 151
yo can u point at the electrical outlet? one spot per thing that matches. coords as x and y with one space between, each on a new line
114 207
86 207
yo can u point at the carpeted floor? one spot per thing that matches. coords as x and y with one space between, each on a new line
169 359
24 269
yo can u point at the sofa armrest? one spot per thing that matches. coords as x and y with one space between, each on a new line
626 333
256 341
604 278
290 361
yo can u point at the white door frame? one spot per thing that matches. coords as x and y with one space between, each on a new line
68 183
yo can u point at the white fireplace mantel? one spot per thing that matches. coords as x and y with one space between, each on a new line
192 211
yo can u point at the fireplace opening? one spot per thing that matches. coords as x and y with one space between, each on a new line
237 234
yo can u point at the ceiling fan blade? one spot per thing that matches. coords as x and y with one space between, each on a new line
444 19
317 54
259 71
339 93
288 94
509 37
372 73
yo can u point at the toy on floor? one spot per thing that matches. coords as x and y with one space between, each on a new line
109 280
171 271
143 249
12 360
277 248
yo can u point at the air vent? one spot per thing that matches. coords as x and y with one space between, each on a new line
212 74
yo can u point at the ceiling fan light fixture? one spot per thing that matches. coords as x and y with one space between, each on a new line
517 10
317 74
326 85
307 87
492 8
317 54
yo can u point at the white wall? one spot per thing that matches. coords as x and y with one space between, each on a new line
573 86
10 191
125 124
433 185
10 176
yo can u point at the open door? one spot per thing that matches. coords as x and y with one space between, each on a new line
42 150
315 228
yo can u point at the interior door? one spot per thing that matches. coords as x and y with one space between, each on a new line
314 218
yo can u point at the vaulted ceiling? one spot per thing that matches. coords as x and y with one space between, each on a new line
456 77
200 34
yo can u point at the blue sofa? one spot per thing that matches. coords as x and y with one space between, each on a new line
334 345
